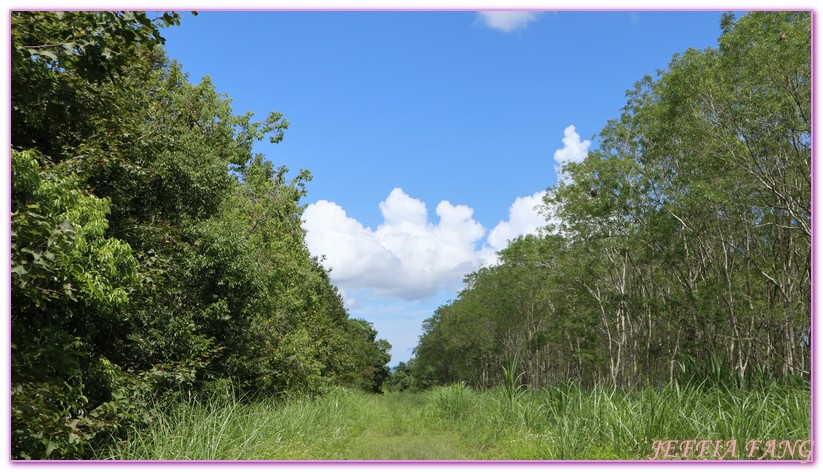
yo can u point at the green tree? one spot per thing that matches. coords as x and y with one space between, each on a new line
690 260
153 251
70 284
58 58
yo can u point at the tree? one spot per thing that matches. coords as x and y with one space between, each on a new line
690 260
153 251
57 60
69 286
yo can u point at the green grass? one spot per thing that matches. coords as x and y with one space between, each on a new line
455 422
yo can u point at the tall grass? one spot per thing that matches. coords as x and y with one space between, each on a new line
452 403
566 422
227 428
512 385
456 422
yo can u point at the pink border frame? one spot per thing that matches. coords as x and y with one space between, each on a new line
96 463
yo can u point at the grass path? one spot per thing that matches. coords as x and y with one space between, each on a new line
438 446
398 429
456 423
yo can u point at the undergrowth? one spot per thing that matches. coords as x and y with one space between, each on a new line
456 422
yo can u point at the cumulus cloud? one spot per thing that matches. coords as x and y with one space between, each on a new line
524 218
351 250
507 21
406 256
573 150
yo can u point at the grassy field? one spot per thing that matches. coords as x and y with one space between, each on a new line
456 422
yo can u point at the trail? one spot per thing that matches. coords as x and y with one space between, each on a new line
396 429
376 446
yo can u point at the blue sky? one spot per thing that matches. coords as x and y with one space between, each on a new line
430 135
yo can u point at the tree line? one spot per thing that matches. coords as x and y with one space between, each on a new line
152 251
678 251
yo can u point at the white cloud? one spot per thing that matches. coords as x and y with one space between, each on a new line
507 21
573 150
400 209
351 251
406 256
524 218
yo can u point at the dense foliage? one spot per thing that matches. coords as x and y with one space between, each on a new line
152 251
679 249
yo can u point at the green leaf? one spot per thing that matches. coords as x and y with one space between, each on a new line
46 53
67 226
50 447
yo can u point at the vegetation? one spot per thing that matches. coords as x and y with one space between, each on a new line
152 251
456 422
679 250
165 306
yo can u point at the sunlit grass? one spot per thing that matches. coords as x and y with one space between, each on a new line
456 422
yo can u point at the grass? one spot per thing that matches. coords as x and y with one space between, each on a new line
456 422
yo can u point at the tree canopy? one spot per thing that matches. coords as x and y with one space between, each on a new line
153 251
683 248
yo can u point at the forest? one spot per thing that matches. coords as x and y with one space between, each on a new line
678 251
164 304
152 251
